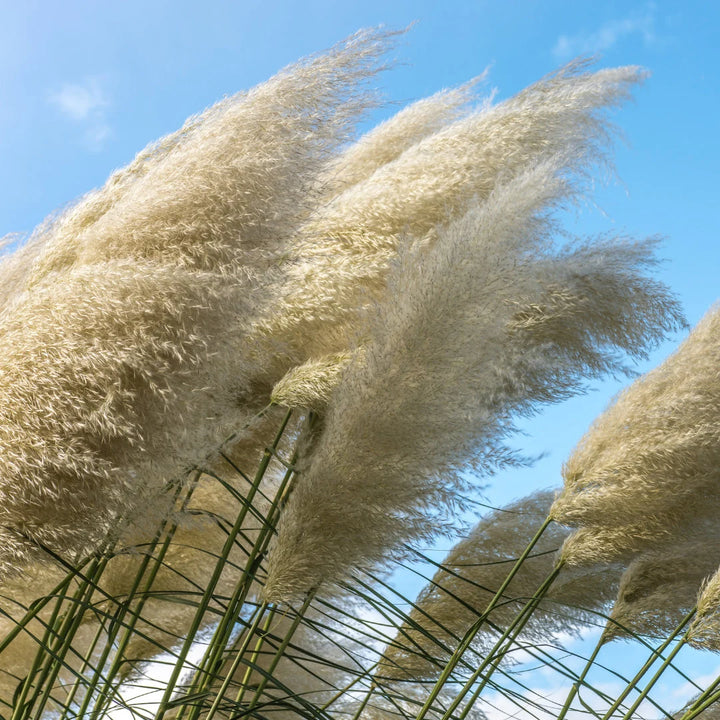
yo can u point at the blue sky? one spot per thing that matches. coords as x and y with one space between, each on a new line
85 85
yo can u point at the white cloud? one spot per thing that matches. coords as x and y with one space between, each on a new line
607 36
85 103
80 100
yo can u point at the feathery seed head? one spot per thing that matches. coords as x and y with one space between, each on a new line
665 471
135 304
451 361
471 574
311 384
660 586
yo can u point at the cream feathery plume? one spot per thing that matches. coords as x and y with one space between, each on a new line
394 136
57 239
587 546
344 251
137 300
311 384
354 167
660 586
449 367
91 368
558 317
627 496
15 266
226 191
471 574
704 632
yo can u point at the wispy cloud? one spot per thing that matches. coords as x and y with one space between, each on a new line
544 685
607 36
86 104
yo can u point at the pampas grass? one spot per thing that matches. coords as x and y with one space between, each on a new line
136 301
661 586
704 629
407 298
626 497
478 330
471 574
344 251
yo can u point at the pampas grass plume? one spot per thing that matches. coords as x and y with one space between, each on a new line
311 384
704 629
452 360
134 304
627 496
474 570
344 251
661 586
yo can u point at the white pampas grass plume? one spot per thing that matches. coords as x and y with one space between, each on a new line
133 306
228 189
627 496
660 586
92 367
343 252
311 384
471 574
704 632
389 140
452 361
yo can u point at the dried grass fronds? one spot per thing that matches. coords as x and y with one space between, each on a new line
661 586
451 363
15 266
344 251
581 309
227 190
311 384
705 627
665 471
391 138
472 573
134 305
587 546
92 368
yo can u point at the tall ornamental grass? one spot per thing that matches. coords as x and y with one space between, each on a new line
247 383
